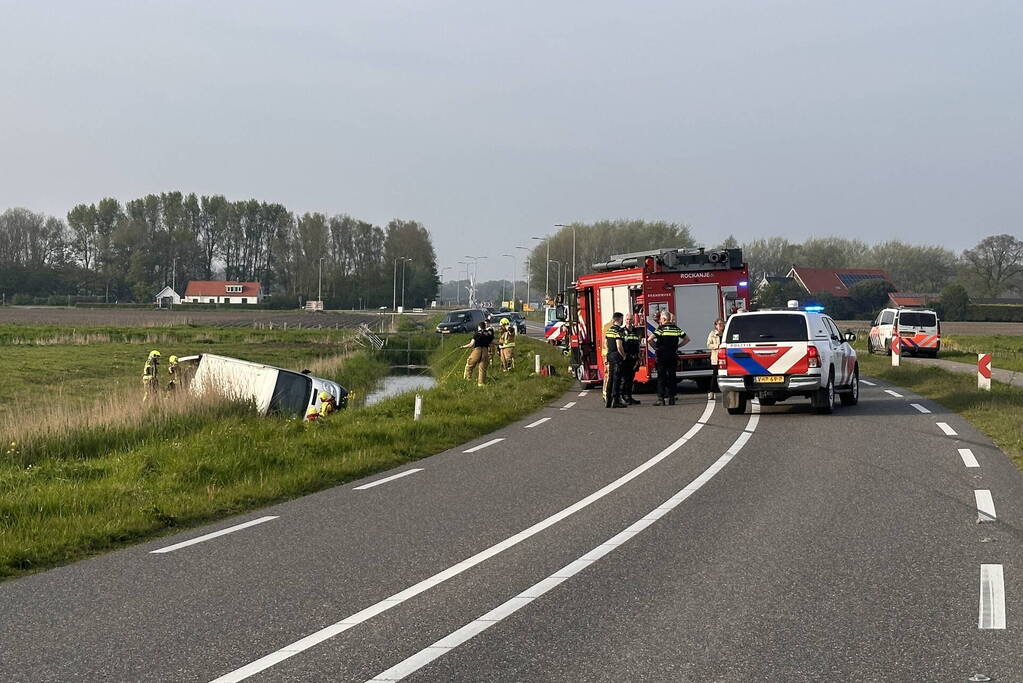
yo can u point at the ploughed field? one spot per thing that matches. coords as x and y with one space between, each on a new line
114 317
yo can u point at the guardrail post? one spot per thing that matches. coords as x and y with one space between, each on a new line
984 371
418 412
896 351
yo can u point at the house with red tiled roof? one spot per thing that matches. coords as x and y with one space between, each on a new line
222 292
912 299
836 281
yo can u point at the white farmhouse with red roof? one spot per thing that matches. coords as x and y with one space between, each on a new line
222 292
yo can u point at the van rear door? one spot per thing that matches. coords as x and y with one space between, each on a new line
918 330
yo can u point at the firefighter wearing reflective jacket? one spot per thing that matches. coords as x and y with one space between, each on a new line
151 374
327 404
667 338
506 344
630 342
614 339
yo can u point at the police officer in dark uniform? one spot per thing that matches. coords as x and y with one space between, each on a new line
634 330
614 337
667 338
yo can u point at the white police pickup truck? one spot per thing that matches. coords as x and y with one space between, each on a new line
777 354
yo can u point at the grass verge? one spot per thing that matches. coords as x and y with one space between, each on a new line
94 493
998 413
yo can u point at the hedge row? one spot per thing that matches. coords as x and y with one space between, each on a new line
995 313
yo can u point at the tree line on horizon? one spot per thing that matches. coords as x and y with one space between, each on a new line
113 252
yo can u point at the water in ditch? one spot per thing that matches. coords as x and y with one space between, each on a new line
399 384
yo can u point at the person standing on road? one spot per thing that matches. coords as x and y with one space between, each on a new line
151 374
631 344
479 357
713 343
506 344
667 338
614 340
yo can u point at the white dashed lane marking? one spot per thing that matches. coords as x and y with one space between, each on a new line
919 407
968 459
215 534
582 394
483 445
378 482
568 405
943 426
537 423
985 505
992 597
868 383
893 393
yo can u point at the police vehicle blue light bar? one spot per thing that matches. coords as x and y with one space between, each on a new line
814 309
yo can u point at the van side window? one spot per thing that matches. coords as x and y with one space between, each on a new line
887 317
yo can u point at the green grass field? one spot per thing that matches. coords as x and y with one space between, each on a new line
79 491
1006 351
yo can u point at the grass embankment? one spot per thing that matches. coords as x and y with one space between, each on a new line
998 413
1006 350
101 490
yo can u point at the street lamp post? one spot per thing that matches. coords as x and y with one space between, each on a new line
559 272
562 225
319 281
394 284
441 277
526 249
547 277
403 262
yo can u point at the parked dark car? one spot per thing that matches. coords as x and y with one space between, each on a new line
465 320
516 319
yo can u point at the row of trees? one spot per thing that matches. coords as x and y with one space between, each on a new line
993 268
130 251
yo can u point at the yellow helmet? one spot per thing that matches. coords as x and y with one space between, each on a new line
173 359
505 321
324 395
154 354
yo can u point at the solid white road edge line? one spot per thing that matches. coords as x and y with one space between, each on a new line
992 597
378 482
484 445
368 613
868 383
568 405
985 505
920 407
472 629
893 393
968 459
537 423
943 426
206 537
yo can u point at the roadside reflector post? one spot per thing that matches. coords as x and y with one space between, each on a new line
984 371
536 360
896 351
418 413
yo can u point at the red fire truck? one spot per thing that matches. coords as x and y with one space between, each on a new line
696 285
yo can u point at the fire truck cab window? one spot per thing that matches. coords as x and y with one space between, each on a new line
766 328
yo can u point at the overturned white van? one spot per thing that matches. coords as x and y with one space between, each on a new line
272 390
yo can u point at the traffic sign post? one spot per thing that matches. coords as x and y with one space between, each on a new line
984 371
896 351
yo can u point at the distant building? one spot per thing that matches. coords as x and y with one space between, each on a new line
772 279
836 281
912 299
168 297
222 292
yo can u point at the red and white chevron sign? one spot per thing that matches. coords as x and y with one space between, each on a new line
984 371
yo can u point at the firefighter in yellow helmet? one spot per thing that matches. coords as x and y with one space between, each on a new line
174 372
151 374
327 404
506 344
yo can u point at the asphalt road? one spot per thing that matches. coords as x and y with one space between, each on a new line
646 544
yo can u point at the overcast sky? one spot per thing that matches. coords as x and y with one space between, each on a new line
489 122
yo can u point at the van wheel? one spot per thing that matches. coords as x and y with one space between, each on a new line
735 402
852 397
823 400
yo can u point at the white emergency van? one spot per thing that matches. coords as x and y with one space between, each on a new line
918 331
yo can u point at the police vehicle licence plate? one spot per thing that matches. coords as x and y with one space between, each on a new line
769 379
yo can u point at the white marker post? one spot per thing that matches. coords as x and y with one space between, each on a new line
984 371
896 351
536 369
418 412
